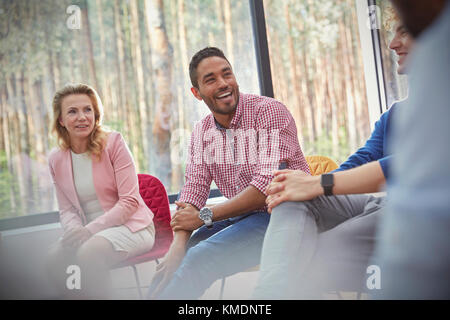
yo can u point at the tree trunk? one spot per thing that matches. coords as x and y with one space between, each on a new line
28 129
363 113
6 120
120 61
51 69
16 150
162 65
355 91
184 59
3 116
139 77
182 32
333 104
304 82
228 30
295 88
87 44
44 116
147 58
351 124
131 110
103 90
220 26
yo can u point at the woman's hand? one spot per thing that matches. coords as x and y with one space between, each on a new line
76 237
166 269
292 185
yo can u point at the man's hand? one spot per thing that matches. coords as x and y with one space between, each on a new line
76 237
186 218
167 268
292 185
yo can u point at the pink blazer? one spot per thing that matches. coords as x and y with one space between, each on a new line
116 185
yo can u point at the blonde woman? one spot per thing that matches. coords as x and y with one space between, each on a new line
101 211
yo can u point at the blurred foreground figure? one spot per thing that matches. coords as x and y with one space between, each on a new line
414 251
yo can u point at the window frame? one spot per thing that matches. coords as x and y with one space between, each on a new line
372 61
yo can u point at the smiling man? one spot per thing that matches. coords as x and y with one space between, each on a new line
401 44
237 146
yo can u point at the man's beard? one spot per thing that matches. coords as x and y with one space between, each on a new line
217 110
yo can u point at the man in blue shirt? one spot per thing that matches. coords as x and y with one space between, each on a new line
323 228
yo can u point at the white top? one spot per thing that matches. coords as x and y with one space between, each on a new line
84 185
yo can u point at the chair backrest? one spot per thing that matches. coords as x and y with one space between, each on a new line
320 164
155 196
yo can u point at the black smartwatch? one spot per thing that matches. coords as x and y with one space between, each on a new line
327 182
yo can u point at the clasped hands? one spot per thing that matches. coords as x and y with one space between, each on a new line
185 218
76 237
292 185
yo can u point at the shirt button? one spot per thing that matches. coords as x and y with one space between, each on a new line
237 188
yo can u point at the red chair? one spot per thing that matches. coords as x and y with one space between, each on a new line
155 196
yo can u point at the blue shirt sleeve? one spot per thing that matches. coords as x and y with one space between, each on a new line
373 149
384 162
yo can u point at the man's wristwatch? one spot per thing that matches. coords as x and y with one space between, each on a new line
206 215
327 183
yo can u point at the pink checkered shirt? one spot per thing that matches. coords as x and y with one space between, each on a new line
262 137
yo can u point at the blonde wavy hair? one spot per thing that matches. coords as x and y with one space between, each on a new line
97 138
391 17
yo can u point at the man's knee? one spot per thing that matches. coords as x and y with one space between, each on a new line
199 255
288 211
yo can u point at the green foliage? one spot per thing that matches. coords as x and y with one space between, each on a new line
323 145
117 125
7 185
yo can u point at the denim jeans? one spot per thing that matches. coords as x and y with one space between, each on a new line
231 246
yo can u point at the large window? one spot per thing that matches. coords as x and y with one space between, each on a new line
135 53
318 72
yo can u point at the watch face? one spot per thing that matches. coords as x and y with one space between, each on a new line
205 213
327 180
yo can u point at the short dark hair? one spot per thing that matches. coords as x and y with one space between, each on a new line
198 57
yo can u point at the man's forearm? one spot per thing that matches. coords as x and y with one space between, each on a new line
367 178
291 185
248 200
